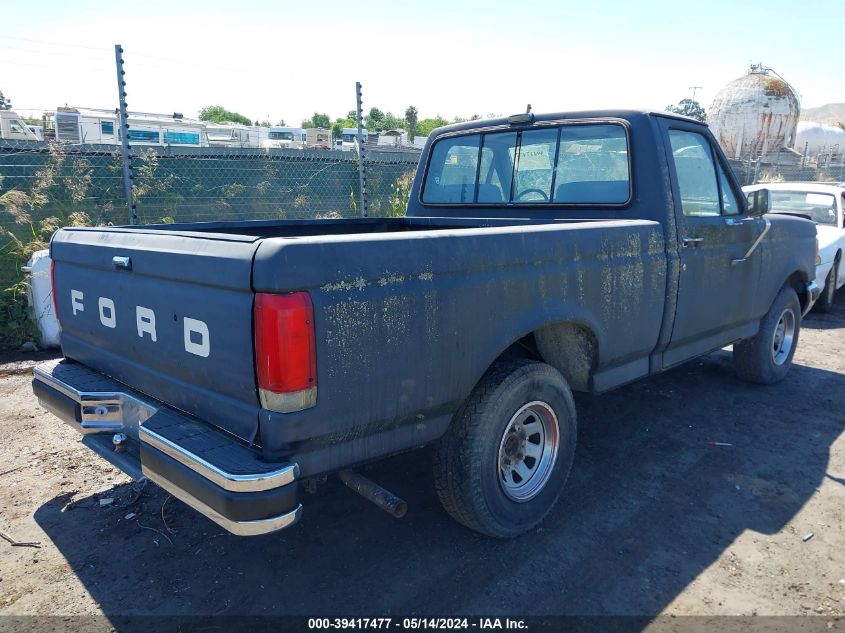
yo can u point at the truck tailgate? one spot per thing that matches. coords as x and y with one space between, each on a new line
168 313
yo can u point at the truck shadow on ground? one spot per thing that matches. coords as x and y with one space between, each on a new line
650 505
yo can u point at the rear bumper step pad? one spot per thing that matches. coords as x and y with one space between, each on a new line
209 470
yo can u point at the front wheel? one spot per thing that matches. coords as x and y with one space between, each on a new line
767 357
501 467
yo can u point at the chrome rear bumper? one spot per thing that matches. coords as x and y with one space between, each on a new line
215 474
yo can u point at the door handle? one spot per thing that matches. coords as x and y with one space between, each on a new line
119 262
692 241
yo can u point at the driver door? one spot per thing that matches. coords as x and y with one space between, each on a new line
720 264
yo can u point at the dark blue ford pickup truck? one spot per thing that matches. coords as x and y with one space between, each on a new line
231 362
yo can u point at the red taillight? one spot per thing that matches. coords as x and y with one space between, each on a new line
285 351
53 289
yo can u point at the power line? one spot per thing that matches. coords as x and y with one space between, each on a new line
131 53
60 44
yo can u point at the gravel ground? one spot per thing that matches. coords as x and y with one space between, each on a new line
654 519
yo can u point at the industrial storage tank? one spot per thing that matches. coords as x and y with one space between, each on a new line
818 138
755 115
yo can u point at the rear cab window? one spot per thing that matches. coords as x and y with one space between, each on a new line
566 164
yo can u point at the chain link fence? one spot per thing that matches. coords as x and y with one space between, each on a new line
188 184
46 184
752 171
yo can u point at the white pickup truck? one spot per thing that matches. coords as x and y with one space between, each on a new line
13 127
824 204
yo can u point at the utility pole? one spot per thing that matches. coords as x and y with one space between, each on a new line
123 127
694 90
362 173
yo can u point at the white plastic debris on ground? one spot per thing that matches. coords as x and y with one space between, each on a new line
41 298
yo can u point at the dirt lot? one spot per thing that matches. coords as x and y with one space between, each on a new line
654 519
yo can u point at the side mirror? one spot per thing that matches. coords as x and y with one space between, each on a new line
758 203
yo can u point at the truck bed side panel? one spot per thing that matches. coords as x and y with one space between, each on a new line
410 322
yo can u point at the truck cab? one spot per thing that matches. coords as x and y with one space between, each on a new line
13 128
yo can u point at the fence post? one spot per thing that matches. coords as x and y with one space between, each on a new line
362 173
803 161
123 127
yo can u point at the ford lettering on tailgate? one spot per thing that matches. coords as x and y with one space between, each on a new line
196 339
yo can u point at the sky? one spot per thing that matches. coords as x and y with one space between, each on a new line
285 60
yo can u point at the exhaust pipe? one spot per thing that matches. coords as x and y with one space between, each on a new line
371 491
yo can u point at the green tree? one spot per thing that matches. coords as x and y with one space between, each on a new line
393 122
219 114
374 121
339 124
690 108
5 104
426 126
318 119
411 118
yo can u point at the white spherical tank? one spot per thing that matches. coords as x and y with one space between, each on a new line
755 114
819 138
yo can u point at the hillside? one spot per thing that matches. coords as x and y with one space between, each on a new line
830 113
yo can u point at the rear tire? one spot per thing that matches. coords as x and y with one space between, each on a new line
825 302
502 464
767 357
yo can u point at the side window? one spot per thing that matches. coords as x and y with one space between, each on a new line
534 165
16 127
107 128
452 170
730 205
696 172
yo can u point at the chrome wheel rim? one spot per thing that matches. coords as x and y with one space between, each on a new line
528 451
784 337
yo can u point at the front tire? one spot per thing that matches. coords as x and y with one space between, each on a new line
502 464
825 302
767 357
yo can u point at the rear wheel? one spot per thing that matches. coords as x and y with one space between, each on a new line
500 468
825 302
767 357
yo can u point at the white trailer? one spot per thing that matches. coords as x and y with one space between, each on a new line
284 137
89 126
318 138
233 135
